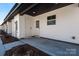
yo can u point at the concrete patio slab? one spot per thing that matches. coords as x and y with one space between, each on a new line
53 47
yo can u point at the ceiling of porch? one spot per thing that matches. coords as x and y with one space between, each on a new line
40 8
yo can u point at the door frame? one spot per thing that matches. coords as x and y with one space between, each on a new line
37 27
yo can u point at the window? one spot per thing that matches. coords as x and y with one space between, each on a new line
51 20
37 24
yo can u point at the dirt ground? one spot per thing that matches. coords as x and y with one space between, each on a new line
24 50
6 38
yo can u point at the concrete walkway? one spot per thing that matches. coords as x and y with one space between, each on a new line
5 47
2 49
53 47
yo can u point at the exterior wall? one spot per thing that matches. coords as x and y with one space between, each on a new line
21 27
9 24
5 27
0 27
29 25
67 24
14 32
25 26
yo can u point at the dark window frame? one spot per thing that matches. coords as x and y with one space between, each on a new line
37 23
51 20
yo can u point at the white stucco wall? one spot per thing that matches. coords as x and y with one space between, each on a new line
0 27
21 28
25 26
5 27
9 24
67 24
14 32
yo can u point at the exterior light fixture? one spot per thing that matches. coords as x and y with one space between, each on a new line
34 12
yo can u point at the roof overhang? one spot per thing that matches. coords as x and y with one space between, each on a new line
43 8
33 9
